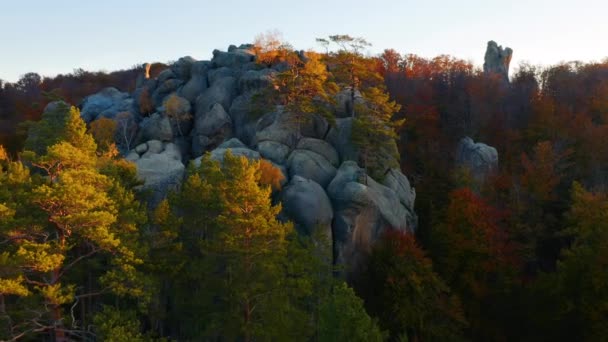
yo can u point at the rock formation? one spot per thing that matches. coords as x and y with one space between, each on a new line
324 188
479 158
497 60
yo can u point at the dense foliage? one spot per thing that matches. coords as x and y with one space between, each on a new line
520 255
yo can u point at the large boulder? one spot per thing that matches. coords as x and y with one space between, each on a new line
233 59
340 137
479 158
213 121
363 210
164 89
497 60
182 68
244 122
307 204
156 127
217 74
282 129
256 79
310 165
211 128
274 151
160 168
197 82
321 147
106 103
398 182
223 91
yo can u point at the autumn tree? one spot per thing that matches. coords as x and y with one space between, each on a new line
175 110
303 89
474 254
350 69
104 132
400 287
270 48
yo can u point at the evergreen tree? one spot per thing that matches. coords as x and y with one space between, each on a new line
374 132
80 223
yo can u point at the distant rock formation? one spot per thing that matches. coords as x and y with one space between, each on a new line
480 159
324 189
497 60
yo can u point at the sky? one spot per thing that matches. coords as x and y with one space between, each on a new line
51 37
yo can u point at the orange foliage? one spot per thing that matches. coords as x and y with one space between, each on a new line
270 175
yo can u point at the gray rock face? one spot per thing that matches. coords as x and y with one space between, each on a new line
282 130
497 60
198 81
344 103
310 165
160 171
274 151
212 128
181 69
398 182
106 103
363 210
214 121
307 204
216 74
340 138
156 127
223 91
479 158
164 89
165 75
232 59
320 147
256 79
243 121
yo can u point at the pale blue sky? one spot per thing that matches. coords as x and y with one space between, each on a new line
57 36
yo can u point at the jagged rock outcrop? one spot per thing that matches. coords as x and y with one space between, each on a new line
363 209
480 159
497 60
324 188
106 103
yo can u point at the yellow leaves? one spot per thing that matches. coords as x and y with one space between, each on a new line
174 108
58 294
103 131
40 257
14 286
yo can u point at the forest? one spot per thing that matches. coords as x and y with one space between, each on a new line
519 253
